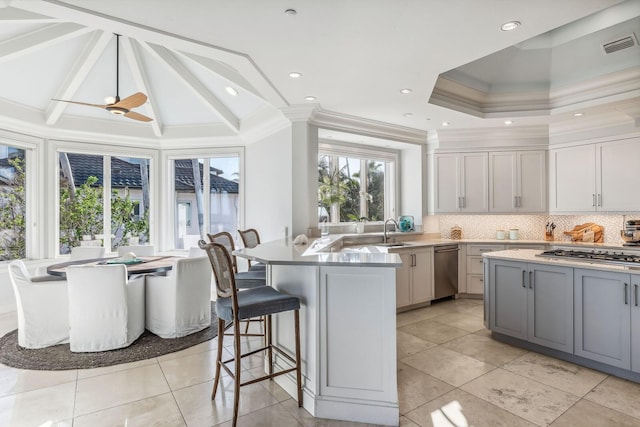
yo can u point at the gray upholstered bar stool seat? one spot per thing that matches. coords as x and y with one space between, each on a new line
233 306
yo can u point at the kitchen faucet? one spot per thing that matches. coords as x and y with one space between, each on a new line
384 229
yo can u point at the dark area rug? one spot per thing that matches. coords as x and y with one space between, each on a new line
59 357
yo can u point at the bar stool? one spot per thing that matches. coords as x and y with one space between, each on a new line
233 306
251 239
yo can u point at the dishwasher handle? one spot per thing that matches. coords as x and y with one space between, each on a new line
445 249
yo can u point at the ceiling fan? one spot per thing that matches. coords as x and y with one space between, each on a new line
119 107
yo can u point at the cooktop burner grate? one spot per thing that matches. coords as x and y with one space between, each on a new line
602 256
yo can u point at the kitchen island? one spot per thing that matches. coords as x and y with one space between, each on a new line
348 324
584 311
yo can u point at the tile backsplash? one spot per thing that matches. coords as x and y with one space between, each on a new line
531 227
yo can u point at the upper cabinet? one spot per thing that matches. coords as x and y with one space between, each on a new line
517 181
461 182
597 177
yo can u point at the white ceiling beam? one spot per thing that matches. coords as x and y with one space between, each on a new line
199 90
77 74
41 38
141 81
224 71
13 16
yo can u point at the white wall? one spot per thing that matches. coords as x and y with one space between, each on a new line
268 185
413 182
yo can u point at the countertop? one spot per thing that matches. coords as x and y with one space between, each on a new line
530 255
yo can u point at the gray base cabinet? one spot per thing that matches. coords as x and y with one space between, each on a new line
532 302
607 318
414 280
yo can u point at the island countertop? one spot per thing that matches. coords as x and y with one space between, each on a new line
318 252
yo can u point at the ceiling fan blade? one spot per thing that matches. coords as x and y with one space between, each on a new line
133 101
80 103
137 116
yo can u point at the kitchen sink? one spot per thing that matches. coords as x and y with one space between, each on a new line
393 245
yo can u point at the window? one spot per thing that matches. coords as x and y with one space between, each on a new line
87 217
12 203
213 195
355 183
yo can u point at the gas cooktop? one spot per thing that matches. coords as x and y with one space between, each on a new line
594 256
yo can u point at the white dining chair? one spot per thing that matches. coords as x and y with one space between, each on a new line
86 252
139 250
42 307
179 303
106 310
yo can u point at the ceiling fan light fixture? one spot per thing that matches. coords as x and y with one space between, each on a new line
109 99
295 75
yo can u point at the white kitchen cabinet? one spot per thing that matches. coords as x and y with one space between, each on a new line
603 317
596 177
517 181
461 182
635 323
414 280
532 302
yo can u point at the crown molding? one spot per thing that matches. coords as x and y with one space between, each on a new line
372 128
512 138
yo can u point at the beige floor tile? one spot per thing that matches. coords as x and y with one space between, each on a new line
274 415
447 365
88 373
562 375
618 394
406 422
306 420
272 387
192 369
37 407
484 348
407 344
198 409
106 391
476 310
198 348
424 313
435 332
463 321
590 414
529 399
476 411
416 388
158 411
14 380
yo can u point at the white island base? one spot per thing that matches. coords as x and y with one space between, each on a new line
348 339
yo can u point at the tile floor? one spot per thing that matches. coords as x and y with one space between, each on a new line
446 359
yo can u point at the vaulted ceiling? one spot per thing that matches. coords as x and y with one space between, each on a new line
354 58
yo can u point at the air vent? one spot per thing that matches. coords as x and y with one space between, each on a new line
620 44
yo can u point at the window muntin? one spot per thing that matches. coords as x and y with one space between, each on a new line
13 206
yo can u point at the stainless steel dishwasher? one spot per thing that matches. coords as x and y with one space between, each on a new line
445 270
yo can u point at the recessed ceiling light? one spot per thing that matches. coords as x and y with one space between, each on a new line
406 90
291 12
407 114
508 122
231 91
445 123
310 98
578 114
510 26
295 75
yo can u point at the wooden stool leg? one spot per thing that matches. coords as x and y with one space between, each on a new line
237 358
298 367
218 357
269 344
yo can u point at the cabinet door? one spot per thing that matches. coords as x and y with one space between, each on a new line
508 305
475 182
403 281
572 175
550 306
532 181
502 182
635 323
447 177
619 175
422 276
603 317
